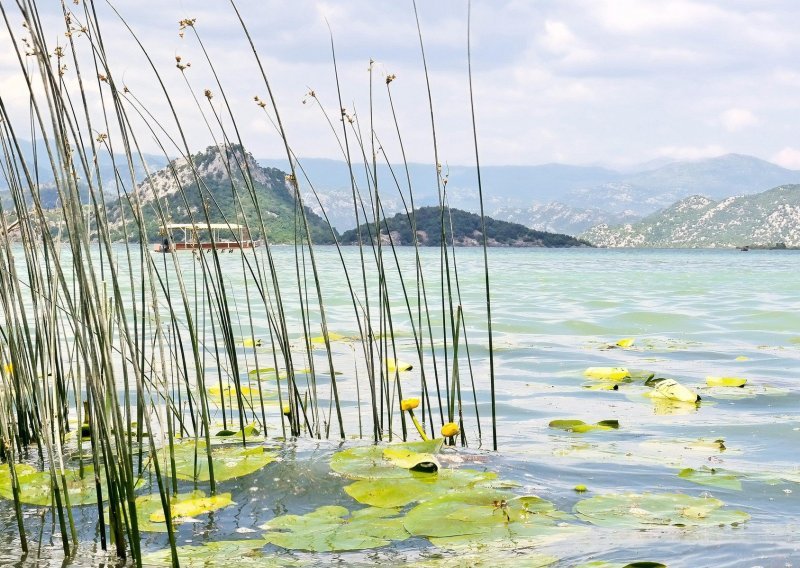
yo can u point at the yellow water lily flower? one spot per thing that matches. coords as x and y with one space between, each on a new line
8 368
450 429
409 403
625 342
287 410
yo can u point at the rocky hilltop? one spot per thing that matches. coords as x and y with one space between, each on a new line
763 220
228 185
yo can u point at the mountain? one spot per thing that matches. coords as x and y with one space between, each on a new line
502 185
557 217
715 178
466 231
763 219
539 196
216 180
107 165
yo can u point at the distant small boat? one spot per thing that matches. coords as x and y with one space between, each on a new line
217 236
745 248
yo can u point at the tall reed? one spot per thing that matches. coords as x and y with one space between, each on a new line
111 355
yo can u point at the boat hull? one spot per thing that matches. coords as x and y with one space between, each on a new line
176 247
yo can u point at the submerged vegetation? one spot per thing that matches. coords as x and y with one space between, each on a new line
127 374
142 393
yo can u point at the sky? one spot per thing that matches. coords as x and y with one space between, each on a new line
594 82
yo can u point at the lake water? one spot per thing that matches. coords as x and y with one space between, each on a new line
692 314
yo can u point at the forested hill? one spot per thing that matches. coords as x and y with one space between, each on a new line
466 231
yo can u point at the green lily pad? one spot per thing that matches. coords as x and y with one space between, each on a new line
36 489
485 517
229 461
745 391
246 553
713 477
579 426
407 458
529 560
150 513
373 462
249 431
394 492
330 529
632 510
269 374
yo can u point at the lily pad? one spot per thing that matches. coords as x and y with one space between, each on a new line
671 390
270 374
398 366
332 336
713 477
229 390
486 517
36 489
229 461
637 511
389 493
725 381
251 342
150 512
746 391
373 462
330 529
526 558
607 373
247 553
580 427
249 431
192 507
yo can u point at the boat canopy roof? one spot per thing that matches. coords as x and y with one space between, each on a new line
201 226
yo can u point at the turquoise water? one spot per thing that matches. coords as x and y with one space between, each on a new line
555 313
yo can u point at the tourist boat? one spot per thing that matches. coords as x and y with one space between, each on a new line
204 236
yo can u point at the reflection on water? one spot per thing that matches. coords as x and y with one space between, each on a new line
692 314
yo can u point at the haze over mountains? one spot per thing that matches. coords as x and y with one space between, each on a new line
553 197
550 197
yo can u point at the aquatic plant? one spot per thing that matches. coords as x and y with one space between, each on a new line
127 362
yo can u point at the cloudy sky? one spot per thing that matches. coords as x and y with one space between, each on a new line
610 82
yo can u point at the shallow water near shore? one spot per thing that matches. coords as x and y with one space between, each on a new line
692 314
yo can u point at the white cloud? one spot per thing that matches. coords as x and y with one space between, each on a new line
735 119
690 152
557 37
788 158
645 16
